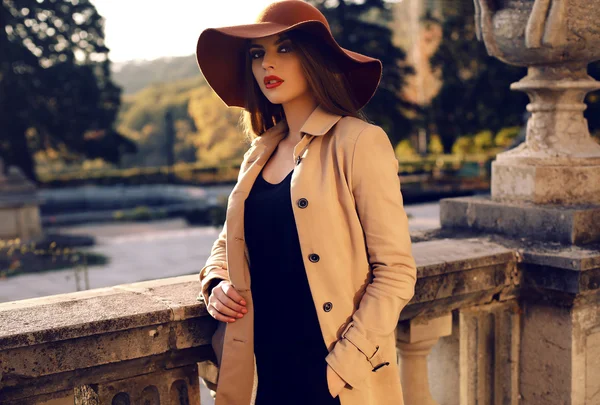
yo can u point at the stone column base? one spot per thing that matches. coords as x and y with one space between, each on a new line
577 225
546 184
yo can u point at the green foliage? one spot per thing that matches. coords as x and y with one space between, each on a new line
435 146
505 136
218 138
483 141
55 84
405 149
362 27
148 106
463 145
206 131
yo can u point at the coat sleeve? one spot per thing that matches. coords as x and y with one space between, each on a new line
215 267
379 204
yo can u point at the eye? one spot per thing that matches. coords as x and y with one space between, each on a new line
285 48
256 54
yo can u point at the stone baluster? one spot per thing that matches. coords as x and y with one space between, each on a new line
415 339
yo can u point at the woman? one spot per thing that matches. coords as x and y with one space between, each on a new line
314 264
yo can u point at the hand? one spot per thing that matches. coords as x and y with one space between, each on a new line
225 304
334 382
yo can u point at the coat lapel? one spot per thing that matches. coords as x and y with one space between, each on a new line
256 158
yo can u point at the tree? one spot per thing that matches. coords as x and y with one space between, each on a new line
475 94
55 86
364 28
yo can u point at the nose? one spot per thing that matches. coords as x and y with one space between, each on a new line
268 60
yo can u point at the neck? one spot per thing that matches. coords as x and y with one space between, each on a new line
296 113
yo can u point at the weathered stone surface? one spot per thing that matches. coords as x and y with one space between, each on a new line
458 272
542 184
489 354
59 385
86 395
443 365
592 367
572 225
20 221
558 279
178 386
53 343
445 256
92 312
415 339
19 206
559 349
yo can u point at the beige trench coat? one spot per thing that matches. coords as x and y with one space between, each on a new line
357 254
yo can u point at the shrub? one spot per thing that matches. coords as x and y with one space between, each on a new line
505 136
405 149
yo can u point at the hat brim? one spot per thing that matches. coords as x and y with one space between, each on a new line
220 54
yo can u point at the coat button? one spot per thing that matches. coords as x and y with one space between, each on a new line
327 306
302 203
313 257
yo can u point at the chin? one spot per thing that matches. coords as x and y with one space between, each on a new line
280 99
277 100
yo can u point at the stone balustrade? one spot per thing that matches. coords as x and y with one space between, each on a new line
150 341
461 339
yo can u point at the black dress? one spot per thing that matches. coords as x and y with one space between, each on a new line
289 348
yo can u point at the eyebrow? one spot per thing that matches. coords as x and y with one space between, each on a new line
279 40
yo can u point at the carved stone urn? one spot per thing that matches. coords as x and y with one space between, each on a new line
556 39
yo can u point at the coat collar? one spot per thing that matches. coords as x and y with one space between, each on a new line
318 123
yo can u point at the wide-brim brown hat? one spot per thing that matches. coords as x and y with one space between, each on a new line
221 52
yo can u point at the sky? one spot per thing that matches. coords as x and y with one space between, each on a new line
150 29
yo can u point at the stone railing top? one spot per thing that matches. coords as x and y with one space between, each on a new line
84 313
451 255
128 306
538 252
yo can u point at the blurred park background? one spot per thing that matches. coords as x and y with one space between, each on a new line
109 130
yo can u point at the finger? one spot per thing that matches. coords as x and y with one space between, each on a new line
230 303
225 310
233 294
219 316
217 304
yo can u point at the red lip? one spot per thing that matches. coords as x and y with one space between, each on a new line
267 79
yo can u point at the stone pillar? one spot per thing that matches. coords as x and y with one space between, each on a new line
549 186
415 339
559 163
19 206
489 354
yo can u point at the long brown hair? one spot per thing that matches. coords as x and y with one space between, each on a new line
326 80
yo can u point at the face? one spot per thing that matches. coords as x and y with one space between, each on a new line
277 69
